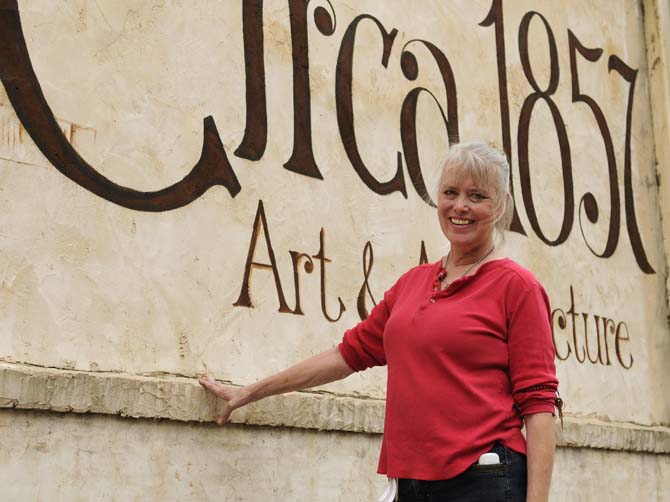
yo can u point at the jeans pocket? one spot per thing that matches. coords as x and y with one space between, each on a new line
485 471
480 483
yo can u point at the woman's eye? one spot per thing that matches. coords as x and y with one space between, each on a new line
477 197
450 193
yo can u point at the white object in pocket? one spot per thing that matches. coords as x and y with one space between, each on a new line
489 459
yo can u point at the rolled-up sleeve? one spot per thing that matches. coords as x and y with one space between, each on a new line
531 351
362 346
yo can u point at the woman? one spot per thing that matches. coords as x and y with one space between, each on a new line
467 341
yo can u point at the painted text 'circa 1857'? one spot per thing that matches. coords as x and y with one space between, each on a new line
214 167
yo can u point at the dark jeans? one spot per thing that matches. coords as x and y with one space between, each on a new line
504 482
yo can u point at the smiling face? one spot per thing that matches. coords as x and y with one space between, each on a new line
467 212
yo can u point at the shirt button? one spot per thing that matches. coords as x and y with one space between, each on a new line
432 300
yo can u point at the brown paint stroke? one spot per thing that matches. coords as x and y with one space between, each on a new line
524 128
302 159
296 258
256 129
617 347
573 313
562 323
495 16
630 75
410 146
25 94
321 256
589 201
244 299
598 358
368 263
408 113
345 111
423 256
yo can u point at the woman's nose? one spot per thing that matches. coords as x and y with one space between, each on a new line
461 203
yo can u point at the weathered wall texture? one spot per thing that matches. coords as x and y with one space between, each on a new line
222 188
657 30
79 458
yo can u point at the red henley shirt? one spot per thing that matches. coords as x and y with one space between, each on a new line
465 364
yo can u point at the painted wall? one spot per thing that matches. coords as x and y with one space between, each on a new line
223 188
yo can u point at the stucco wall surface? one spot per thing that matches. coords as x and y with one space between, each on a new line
92 285
312 131
94 457
657 31
79 458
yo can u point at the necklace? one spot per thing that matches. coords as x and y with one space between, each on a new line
443 273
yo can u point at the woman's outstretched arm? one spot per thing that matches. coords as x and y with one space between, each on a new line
320 369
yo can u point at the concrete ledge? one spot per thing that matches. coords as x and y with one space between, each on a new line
621 436
176 398
182 399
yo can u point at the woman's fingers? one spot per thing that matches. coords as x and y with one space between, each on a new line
222 392
208 384
223 419
226 392
215 388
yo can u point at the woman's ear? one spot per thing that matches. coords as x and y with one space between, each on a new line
506 204
504 207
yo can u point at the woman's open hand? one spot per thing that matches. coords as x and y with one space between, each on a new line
233 397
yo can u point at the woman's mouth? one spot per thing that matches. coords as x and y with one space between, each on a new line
459 222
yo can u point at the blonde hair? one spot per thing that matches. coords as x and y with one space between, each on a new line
489 169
